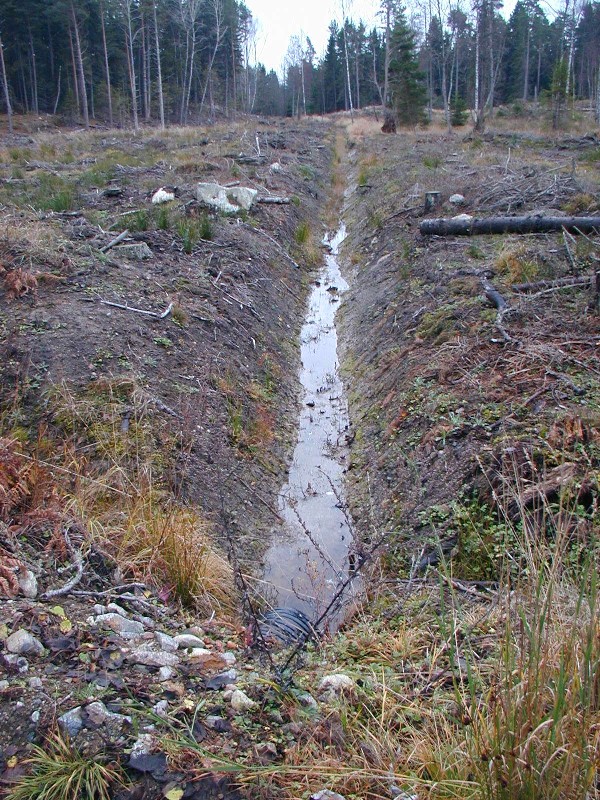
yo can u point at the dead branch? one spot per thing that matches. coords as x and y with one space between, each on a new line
125 307
279 201
77 563
474 226
115 241
557 283
494 296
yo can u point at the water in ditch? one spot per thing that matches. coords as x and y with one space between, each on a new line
308 561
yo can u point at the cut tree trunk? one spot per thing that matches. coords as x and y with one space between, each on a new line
474 225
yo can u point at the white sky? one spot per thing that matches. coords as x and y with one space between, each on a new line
280 19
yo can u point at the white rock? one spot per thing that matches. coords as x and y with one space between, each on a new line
99 714
4 685
153 658
463 217
456 199
22 642
276 167
188 640
98 609
162 196
35 717
28 584
35 683
229 658
71 722
327 794
19 663
240 701
307 700
200 652
165 674
337 683
165 642
138 251
127 628
161 708
230 200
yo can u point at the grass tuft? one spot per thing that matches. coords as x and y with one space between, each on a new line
62 773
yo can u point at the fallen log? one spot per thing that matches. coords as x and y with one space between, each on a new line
557 283
279 201
472 226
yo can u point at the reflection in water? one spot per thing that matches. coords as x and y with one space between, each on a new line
309 559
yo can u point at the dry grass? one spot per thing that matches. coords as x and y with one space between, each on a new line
462 694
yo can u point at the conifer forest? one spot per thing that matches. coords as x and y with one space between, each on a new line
123 62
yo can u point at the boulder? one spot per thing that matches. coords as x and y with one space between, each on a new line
229 200
71 722
456 199
136 252
22 642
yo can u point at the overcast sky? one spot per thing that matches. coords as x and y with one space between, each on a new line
280 19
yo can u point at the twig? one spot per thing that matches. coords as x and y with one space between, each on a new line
115 241
77 563
125 307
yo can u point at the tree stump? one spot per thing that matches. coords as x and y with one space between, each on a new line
389 123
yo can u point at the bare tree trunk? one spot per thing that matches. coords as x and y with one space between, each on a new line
386 63
161 100
34 82
131 66
80 72
375 81
219 33
144 74
526 76
74 65
598 96
347 63
57 90
5 90
106 66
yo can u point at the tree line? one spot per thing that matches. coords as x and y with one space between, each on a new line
177 61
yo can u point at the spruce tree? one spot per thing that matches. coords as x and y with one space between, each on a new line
407 82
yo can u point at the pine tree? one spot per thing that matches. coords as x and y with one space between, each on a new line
407 82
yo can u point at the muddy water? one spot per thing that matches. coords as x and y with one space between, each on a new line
309 557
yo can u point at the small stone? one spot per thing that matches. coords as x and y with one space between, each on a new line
463 217
17 663
28 584
165 674
165 642
71 722
229 658
35 717
188 640
153 658
456 199
98 714
222 679
36 683
338 683
127 628
217 723
4 685
147 622
307 700
161 708
98 609
21 642
327 794
116 609
240 701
